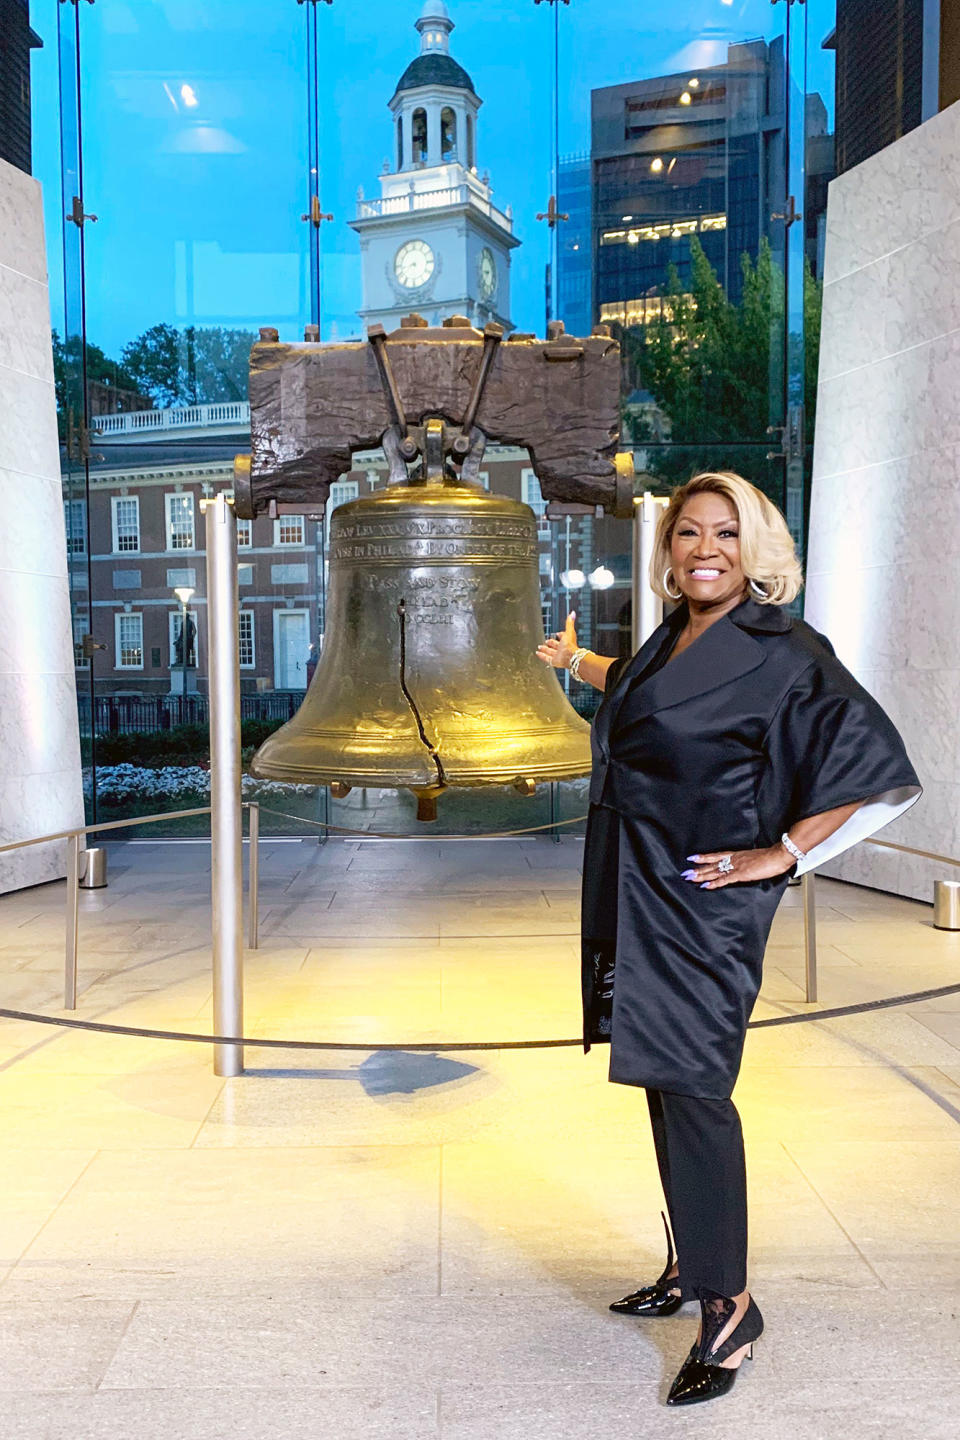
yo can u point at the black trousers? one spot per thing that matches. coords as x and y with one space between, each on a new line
699 1145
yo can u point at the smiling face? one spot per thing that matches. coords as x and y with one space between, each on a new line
705 552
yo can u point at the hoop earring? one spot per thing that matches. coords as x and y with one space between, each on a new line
666 584
759 591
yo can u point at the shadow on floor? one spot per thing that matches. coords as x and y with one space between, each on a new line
386 1072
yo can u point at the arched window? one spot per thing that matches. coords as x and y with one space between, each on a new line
418 136
471 158
399 142
448 134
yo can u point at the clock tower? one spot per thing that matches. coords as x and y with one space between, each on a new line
434 241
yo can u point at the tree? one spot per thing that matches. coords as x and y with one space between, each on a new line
69 358
192 366
706 360
216 363
154 359
713 365
169 366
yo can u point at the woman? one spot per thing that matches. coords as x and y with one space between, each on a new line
730 751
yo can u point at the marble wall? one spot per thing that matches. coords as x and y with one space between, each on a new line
882 573
40 788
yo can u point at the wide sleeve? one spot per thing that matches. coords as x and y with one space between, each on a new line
830 744
614 673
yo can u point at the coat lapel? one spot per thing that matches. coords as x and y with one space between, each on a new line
634 667
723 653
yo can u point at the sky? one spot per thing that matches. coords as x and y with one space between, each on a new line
194 118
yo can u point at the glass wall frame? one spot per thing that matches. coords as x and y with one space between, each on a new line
227 149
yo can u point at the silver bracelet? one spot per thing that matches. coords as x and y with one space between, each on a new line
575 659
795 850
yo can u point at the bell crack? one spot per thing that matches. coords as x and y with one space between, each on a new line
402 614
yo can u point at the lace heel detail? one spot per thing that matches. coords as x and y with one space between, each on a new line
703 1376
716 1312
749 1330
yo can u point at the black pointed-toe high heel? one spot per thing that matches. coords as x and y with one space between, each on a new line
703 1376
661 1298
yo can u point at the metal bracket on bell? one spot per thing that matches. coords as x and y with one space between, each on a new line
470 469
391 441
492 335
433 460
378 339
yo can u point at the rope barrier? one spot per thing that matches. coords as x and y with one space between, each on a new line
412 835
422 1046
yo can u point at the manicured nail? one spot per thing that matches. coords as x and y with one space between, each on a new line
705 885
693 857
688 875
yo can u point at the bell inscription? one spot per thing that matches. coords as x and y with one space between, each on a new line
428 677
469 538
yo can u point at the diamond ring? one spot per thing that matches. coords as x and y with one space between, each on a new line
725 865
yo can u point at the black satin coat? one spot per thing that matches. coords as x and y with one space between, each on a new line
755 726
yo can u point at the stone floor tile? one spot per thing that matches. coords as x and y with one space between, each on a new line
881 1037
363 1413
413 1341
63 1347
42 1179
821 1103
316 1176
760 1404
129 1110
897 1202
352 1219
366 1412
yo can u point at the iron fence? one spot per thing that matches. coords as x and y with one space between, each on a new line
137 714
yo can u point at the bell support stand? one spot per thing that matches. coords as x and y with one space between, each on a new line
647 607
226 817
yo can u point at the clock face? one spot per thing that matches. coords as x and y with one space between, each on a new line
413 263
487 267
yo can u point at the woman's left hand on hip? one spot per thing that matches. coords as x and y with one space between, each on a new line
735 867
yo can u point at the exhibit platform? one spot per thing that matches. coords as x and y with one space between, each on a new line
421 1245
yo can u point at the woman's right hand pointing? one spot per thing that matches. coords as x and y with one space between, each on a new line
557 650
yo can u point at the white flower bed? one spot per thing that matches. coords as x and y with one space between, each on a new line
120 783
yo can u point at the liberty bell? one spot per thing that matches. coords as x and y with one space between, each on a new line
428 677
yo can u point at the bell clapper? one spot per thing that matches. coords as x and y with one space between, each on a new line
427 797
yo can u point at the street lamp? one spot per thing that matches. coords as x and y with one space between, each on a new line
572 579
184 594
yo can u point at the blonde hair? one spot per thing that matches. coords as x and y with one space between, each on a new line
767 553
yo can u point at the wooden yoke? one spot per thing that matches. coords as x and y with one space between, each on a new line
313 405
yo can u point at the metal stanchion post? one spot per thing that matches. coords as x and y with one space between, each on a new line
226 813
253 920
809 896
646 607
73 923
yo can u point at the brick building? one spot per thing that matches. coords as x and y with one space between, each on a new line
146 540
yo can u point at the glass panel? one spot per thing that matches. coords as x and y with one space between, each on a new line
290 164
194 151
455 184
56 75
680 148
820 166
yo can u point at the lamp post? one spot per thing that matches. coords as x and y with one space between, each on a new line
184 594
